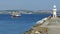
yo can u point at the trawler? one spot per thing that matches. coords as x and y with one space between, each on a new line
15 14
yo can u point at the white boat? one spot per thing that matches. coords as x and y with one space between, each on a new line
15 14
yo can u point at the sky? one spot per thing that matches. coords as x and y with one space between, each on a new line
29 4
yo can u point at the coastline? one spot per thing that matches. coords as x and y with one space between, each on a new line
36 27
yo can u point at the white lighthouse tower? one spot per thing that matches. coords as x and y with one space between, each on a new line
54 11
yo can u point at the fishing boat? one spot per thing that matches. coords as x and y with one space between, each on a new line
15 14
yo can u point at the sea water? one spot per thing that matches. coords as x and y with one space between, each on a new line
18 25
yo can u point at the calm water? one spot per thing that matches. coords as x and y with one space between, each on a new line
9 25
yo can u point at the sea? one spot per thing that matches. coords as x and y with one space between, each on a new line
18 25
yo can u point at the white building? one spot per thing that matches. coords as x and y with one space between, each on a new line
54 11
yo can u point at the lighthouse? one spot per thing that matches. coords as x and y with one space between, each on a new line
54 11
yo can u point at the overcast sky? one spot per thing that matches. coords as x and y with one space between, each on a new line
29 4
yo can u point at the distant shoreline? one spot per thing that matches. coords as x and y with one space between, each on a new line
27 11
